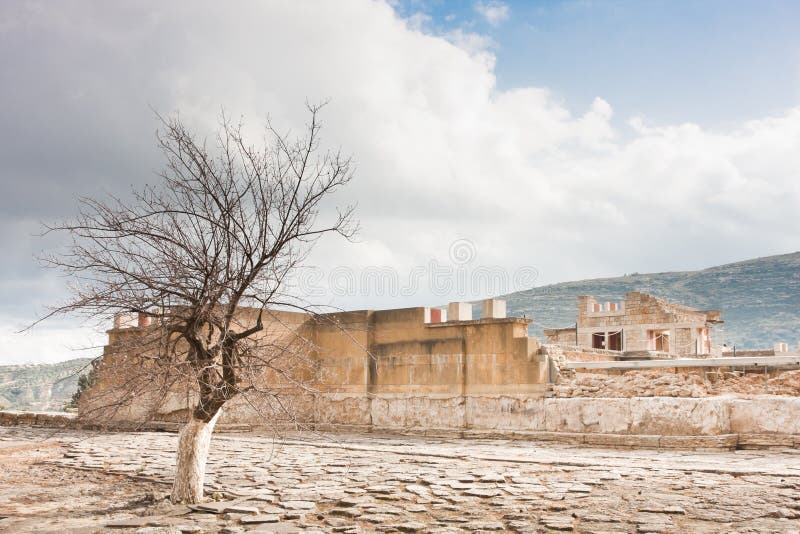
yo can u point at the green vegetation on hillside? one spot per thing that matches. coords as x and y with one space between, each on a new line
759 299
85 381
47 387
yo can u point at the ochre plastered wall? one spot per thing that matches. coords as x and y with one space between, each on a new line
383 368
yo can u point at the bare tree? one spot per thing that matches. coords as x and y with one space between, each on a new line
222 231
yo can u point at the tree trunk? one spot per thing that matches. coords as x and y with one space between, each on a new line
190 471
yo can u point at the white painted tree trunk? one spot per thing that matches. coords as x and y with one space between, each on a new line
190 469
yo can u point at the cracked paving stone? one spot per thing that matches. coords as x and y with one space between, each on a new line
663 509
557 522
597 518
459 499
377 518
608 528
416 489
415 508
484 493
213 507
298 505
485 525
532 481
387 509
336 521
411 526
188 529
346 512
259 518
241 509
455 519
784 513
647 528
134 522
436 482
458 485
347 502
525 527
385 490
269 509
278 528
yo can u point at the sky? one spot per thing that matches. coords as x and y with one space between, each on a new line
523 143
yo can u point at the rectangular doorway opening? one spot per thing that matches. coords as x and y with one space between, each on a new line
615 341
659 340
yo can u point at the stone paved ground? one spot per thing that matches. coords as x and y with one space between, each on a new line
368 483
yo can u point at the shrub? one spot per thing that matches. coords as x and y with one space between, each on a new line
85 381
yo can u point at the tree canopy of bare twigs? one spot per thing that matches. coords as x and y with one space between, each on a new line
223 229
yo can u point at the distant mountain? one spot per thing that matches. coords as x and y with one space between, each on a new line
40 387
759 299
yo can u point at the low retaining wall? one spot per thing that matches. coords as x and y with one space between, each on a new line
674 416
717 421
48 419
658 422
70 421
667 416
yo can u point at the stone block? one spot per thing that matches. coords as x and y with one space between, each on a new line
575 438
766 441
601 415
622 440
765 414
459 311
342 409
504 412
398 411
725 441
493 309
679 416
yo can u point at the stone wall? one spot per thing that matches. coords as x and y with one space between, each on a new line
657 422
390 371
388 368
677 382
561 336
580 354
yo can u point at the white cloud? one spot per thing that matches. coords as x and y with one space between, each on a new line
476 45
419 21
56 341
442 154
493 11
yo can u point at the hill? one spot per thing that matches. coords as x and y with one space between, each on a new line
759 299
40 387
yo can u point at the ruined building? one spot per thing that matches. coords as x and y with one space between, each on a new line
641 323
441 372
413 367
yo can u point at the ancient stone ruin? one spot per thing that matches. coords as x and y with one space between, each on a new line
641 323
627 380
